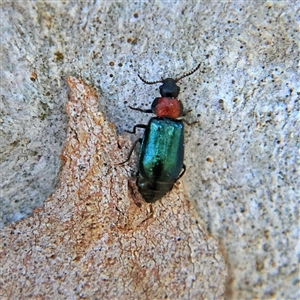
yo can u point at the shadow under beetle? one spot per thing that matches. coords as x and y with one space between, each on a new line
160 162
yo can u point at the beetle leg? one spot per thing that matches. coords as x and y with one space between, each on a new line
186 112
137 177
131 150
148 111
137 126
182 172
187 123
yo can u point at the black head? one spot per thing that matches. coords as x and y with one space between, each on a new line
169 88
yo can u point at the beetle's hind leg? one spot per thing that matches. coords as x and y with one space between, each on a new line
182 172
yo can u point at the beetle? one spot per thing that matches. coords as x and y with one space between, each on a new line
160 162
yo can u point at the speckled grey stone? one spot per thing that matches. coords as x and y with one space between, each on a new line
242 156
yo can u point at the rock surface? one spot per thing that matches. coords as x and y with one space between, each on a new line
95 238
242 157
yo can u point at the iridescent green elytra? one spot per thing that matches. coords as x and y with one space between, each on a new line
160 158
161 154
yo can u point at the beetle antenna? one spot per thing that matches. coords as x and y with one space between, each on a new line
149 82
188 74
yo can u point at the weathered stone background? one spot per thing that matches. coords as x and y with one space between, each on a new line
95 238
242 157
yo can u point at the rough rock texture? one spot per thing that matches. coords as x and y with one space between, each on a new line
90 239
242 157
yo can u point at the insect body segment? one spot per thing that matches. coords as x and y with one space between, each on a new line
160 158
166 107
161 154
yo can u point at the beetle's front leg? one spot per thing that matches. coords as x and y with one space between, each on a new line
185 112
187 123
148 111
